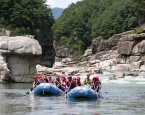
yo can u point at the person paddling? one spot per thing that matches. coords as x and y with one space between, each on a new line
70 83
78 81
45 78
87 80
57 81
74 82
50 80
63 83
96 84
99 84
37 81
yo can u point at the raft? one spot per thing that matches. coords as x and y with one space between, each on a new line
47 88
82 92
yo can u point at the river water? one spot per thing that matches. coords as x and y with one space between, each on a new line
121 97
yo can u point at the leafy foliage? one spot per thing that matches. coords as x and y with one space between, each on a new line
86 19
138 6
139 30
25 16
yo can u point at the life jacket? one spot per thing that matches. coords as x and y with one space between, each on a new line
63 84
50 81
38 80
68 83
87 81
94 84
99 85
78 83
73 84
56 82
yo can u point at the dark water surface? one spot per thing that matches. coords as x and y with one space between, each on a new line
121 97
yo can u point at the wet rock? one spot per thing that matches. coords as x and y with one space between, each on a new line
132 74
117 75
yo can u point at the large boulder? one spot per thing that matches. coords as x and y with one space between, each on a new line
117 76
139 48
18 58
4 32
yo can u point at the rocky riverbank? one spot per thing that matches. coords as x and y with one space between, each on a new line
74 70
20 55
124 51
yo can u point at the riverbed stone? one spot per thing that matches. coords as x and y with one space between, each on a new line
117 76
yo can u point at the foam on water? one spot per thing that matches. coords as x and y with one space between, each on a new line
142 83
104 78
126 80
121 81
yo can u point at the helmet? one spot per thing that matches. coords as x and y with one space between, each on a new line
49 76
97 78
94 77
70 77
62 76
57 77
78 77
74 78
88 75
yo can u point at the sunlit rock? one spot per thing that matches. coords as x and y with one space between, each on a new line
20 55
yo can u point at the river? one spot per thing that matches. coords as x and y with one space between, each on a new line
121 97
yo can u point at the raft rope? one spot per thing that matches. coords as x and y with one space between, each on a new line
43 88
84 92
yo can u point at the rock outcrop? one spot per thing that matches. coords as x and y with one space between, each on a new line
18 58
124 51
4 32
76 71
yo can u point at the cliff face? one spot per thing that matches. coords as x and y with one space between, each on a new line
18 58
125 51
45 39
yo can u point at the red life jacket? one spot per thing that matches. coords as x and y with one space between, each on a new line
73 84
63 84
95 84
78 83
38 80
50 81
68 83
56 82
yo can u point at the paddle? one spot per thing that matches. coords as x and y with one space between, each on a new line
66 90
32 88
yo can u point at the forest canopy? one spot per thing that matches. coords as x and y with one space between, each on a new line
25 16
78 24
87 19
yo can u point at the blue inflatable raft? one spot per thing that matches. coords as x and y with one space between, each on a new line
47 88
82 92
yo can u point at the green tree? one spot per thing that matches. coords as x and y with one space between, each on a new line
138 6
26 16
88 19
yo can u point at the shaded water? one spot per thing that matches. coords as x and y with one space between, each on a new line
121 97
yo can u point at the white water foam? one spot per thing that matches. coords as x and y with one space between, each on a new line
126 80
142 83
